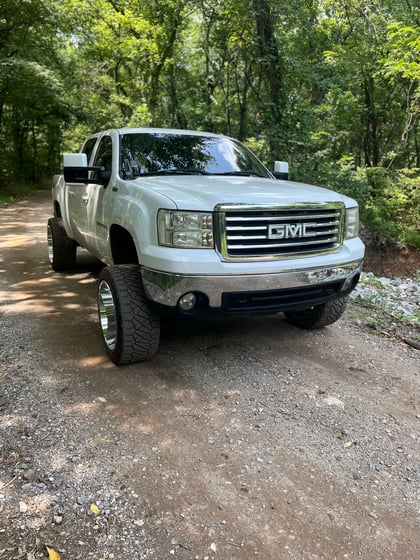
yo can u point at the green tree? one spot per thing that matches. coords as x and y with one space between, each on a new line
317 82
402 65
363 113
32 106
122 47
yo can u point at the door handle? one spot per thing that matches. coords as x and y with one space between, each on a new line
85 200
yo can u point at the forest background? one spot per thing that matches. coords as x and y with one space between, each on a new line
331 86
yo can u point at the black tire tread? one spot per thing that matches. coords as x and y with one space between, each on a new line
63 247
318 316
138 327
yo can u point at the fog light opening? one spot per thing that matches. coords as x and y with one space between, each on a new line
350 283
187 302
346 284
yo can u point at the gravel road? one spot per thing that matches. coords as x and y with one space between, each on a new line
243 438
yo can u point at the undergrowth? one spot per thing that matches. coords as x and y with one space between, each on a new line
389 200
9 193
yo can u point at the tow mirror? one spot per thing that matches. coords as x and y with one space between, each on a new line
281 170
76 170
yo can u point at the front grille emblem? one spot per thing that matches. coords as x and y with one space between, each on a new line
290 231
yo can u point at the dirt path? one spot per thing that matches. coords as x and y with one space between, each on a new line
240 439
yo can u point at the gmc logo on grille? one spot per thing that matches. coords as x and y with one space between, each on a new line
290 231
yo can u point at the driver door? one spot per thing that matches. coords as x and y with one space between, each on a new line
77 196
86 199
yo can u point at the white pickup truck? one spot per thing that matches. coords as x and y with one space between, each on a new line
192 223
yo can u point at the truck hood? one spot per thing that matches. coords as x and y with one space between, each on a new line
200 192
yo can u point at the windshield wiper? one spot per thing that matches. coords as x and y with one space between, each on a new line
191 171
186 171
248 173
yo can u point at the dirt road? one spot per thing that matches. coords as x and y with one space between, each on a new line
240 439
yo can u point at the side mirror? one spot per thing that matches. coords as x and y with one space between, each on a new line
76 170
281 170
75 160
103 175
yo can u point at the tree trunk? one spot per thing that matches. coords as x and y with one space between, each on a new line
371 143
271 66
155 75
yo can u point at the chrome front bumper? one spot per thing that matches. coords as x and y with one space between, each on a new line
166 288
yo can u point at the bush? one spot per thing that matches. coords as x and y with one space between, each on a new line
394 202
389 200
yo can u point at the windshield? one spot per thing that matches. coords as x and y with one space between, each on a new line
164 153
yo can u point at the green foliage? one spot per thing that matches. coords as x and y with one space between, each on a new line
404 52
394 202
33 101
389 200
331 85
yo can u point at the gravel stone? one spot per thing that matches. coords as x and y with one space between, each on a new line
400 298
241 438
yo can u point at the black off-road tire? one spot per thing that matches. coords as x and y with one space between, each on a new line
130 328
61 248
318 316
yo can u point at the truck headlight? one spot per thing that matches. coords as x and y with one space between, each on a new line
352 223
192 230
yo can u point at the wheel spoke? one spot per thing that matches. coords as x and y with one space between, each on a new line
107 315
50 245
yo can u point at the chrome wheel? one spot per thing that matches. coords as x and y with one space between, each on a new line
50 245
107 315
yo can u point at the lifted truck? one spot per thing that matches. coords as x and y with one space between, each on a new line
193 223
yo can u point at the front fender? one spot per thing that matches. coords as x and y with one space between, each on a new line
136 212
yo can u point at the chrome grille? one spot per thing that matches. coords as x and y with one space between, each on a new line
260 233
